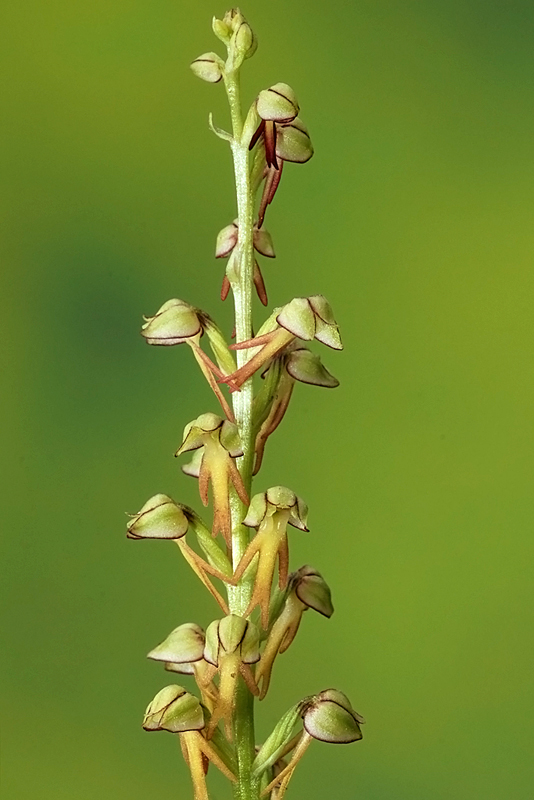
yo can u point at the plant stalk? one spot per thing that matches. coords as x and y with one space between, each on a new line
239 597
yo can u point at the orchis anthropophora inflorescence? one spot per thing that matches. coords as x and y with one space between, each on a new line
242 556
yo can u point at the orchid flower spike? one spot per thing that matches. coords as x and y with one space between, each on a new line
175 710
232 645
270 513
162 518
295 363
220 444
304 318
306 589
177 322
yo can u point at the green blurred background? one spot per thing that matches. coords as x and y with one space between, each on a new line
415 219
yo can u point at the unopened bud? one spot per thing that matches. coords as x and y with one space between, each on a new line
221 30
175 710
278 103
293 142
184 645
160 518
233 19
174 323
209 67
330 718
246 42
312 590
230 635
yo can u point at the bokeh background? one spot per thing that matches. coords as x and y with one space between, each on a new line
415 219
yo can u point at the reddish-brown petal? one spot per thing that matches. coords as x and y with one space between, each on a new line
270 144
259 284
269 190
257 134
225 288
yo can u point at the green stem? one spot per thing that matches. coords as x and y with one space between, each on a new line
238 597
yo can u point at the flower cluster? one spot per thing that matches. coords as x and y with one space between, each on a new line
242 557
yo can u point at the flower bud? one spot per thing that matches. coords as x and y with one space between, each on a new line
213 426
233 19
306 367
232 634
174 323
330 718
226 241
312 590
221 30
278 103
160 518
293 142
209 67
298 318
246 42
277 498
311 318
175 710
184 645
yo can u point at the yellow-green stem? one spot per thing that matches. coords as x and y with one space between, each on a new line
245 787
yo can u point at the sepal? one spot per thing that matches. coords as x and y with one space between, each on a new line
184 645
226 240
174 323
175 710
278 103
306 367
329 717
312 590
159 518
293 142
